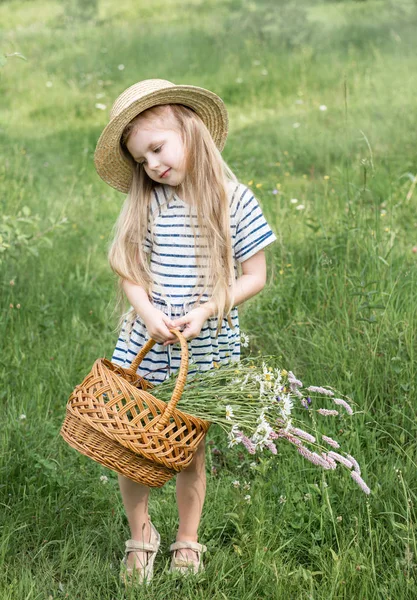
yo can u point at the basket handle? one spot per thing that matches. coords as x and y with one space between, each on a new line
182 375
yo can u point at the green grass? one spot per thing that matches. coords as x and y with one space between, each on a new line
339 307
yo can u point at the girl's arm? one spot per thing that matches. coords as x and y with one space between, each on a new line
249 284
137 297
156 322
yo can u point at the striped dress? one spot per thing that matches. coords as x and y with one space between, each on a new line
170 243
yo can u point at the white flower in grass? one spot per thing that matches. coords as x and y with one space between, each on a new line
253 465
268 377
267 372
229 412
286 406
247 498
278 379
49 84
294 201
121 67
244 339
234 436
100 106
245 381
282 499
296 125
322 107
286 425
259 440
104 479
261 418
236 483
300 207
22 417
260 381
261 436
246 485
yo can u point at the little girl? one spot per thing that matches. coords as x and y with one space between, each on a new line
185 226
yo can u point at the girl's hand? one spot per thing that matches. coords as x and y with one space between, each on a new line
192 322
158 325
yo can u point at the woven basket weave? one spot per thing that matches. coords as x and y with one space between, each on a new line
113 419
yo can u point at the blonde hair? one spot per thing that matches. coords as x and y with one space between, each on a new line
205 186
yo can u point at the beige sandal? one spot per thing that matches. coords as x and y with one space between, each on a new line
136 574
181 565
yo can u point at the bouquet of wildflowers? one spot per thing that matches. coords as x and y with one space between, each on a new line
256 405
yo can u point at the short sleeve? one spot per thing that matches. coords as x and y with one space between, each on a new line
252 230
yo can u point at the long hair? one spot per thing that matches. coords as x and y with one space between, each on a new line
206 188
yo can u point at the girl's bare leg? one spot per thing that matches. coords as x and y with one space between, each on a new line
191 491
135 499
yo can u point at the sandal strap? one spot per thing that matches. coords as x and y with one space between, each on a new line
134 546
188 545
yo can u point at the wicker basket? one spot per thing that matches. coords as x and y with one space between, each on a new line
113 419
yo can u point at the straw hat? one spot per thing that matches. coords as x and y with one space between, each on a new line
111 163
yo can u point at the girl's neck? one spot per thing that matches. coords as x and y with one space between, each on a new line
180 193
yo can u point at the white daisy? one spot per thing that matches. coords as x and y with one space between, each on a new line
229 413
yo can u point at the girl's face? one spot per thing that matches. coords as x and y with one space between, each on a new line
160 150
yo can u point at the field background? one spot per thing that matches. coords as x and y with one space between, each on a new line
321 97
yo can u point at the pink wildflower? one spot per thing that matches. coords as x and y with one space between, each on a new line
273 435
339 458
320 390
332 463
290 438
293 380
358 479
314 458
327 413
345 405
271 446
305 401
248 444
330 441
355 463
303 434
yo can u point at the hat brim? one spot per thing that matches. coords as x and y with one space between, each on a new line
111 163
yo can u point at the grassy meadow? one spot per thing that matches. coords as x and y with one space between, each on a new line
321 99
